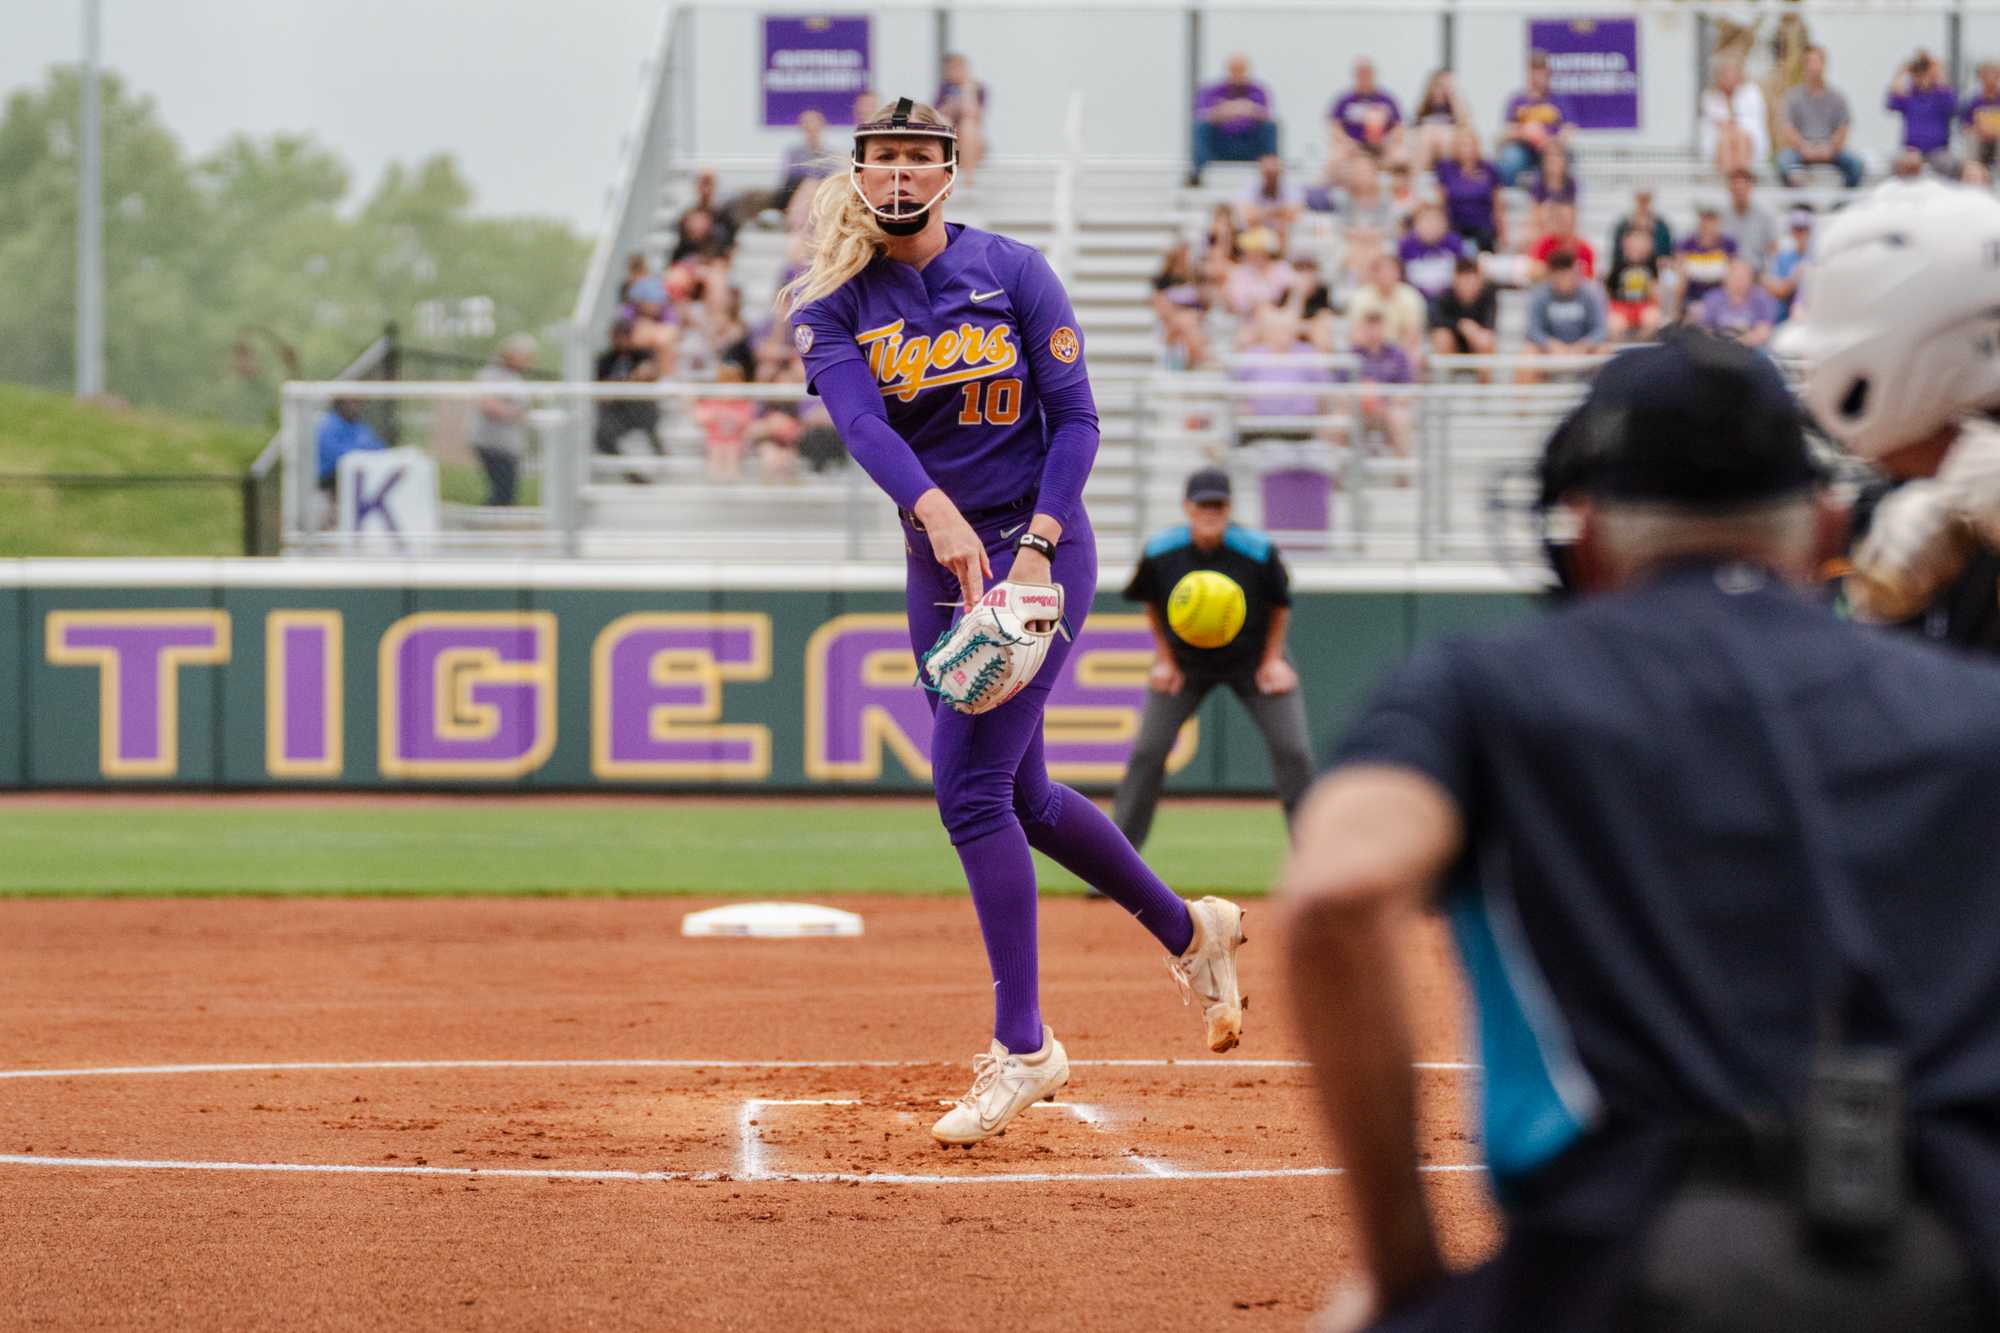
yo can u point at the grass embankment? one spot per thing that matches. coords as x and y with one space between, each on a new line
679 845
45 433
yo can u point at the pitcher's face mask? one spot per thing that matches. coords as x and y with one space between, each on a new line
903 210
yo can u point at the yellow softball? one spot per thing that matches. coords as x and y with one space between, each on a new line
1206 609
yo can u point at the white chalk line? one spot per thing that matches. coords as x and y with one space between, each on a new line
358 1066
786 1178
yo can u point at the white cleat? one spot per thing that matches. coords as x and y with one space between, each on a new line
1003 1086
1208 969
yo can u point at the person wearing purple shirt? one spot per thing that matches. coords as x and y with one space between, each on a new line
1471 188
952 366
1533 119
1232 120
1920 94
1739 308
1981 114
1380 361
1365 119
1704 257
1430 252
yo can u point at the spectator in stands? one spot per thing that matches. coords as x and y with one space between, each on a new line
1974 173
725 335
1381 361
1272 201
961 99
1567 314
1704 257
1534 118
718 235
1404 199
1552 183
1220 251
1232 119
1471 188
1787 268
1748 224
1440 113
1644 217
1280 355
1312 301
651 332
1921 96
1734 129
1259 280
1739 308
725 427
1430 252
1633 294
342 431
1464 315
636 269
1981 115
866 104
1908 165
1560 235
1813 129
1365 119
1180 303
806 162
1367 213
1404 313
618 420
500 425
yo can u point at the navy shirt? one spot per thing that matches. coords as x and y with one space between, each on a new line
1635 906
1249 559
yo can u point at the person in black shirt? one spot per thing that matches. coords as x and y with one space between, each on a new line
1709 855
625 362
1463 314
1252 663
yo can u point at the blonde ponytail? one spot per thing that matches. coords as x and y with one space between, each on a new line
845 238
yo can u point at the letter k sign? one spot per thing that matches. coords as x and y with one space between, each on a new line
366 504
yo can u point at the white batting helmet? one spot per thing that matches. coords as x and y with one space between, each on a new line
1901 322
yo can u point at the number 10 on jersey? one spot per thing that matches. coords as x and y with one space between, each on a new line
991 402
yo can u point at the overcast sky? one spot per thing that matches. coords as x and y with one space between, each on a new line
532 96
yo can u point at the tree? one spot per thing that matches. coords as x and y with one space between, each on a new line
251 236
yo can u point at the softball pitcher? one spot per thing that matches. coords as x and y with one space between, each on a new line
951 362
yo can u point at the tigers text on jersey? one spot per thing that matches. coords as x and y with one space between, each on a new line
964 350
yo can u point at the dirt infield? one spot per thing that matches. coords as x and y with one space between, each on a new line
559 1113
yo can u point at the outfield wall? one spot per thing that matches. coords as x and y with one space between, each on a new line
275 674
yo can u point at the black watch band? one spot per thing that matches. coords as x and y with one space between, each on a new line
1035 541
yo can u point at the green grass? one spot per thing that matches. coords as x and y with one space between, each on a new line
43 433
678 845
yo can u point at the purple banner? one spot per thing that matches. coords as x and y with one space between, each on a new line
815 62
1593 67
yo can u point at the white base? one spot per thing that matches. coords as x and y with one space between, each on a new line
772 921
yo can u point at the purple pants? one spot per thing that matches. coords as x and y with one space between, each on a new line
994 793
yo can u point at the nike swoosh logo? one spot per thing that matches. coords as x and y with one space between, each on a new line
987 296
1005 533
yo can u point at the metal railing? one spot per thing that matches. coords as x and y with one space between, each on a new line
1062 249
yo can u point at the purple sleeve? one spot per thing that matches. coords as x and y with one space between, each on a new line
1899 102
823 333
1053 344
854 401
1207 98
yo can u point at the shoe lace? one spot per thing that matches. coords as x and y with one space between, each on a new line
1183 971
985 1069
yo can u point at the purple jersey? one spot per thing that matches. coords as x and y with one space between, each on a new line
1428 265
1357 111
1468 195
1217 93
1524 108
1733 318
965 351
1927 114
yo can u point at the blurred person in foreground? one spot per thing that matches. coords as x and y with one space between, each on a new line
1708 854
1896 329
1207 552
500 423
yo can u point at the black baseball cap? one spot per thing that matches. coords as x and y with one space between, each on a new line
1694 420
1208 485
